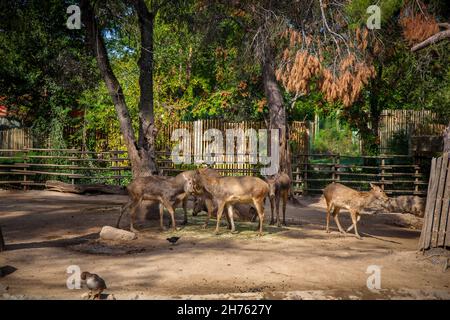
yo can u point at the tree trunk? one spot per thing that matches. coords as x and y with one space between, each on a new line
147 130
277 110
140 155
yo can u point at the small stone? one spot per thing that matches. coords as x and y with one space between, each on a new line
111 233
110 297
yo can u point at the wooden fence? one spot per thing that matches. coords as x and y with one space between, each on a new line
397 175
16 139
436 227
298 133
409 122
311 173
32 166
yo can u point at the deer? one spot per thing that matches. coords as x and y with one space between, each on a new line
279 187
338 196
165 190
227 191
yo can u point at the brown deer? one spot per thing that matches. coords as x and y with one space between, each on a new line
227 191
279 187
339 196
166 190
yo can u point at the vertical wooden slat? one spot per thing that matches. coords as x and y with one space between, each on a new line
445 209
439 195
423 244
432 198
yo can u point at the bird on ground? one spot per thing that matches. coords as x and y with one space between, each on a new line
95 284
173 240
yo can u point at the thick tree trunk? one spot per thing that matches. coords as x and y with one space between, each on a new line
142 163
147 129
277 110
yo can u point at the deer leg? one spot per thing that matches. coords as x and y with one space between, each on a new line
161 216
254 213
230 218
219 216
355 219
184 202
328 217
351 227
272 209
336 219
169 208
277 207
124 208
210 208
285 199
133 214
259 205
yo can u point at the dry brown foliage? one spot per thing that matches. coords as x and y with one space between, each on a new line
417 26
340 81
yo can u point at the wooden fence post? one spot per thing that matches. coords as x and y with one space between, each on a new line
25 158
73 171
333 173
305 184
338 161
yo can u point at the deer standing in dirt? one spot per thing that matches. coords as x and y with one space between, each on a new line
165 190
339 196
227 191
279 186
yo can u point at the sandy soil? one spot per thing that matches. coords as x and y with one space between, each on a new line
46 232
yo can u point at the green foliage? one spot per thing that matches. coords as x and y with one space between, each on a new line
335 139
399 143
43 67
357 10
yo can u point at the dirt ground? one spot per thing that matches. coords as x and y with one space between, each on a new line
46 232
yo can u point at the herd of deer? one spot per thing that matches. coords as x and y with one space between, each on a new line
218 193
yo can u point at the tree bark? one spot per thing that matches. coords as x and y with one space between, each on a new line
147 129
142 162
432 40
277 110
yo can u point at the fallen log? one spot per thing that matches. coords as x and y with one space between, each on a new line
59 186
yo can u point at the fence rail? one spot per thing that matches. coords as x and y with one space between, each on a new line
396 174
436 227
311 172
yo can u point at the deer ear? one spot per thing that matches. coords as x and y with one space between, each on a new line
372 186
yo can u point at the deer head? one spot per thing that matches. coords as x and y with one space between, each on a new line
378 193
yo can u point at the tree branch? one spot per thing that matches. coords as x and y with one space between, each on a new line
432 40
